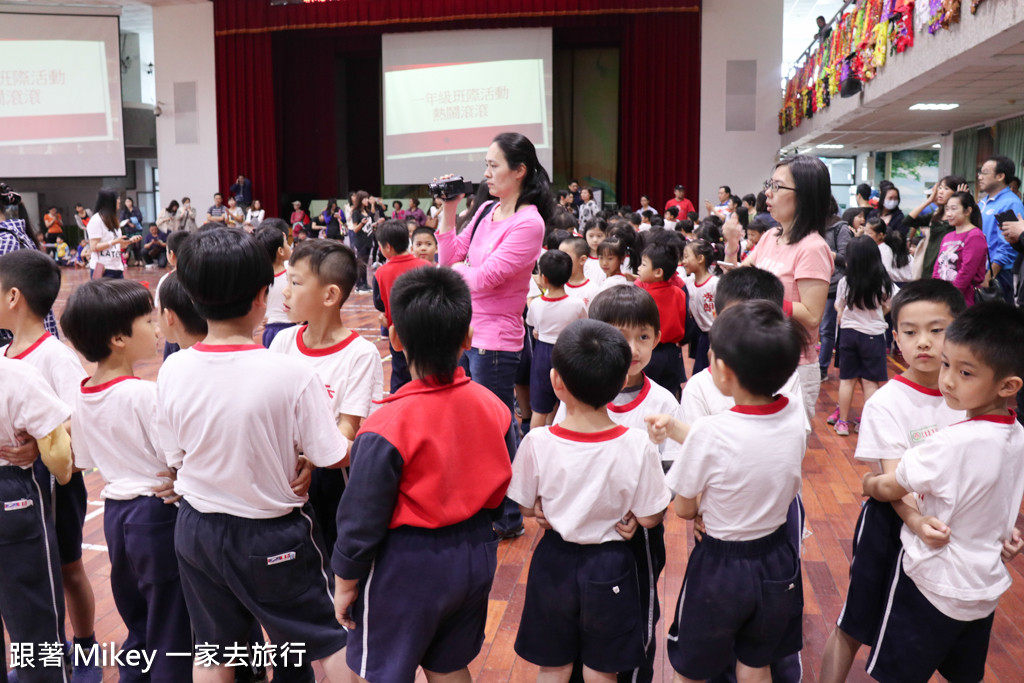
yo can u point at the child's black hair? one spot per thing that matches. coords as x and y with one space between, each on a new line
743 216
635 219
994 332
223 270
626 306
331 262
626 235
592 358
614 247
693 216
868 282
36 275
758 343
705 250
176 239
556 266
173 297
99 310
898 243
271 240
758 226
662 256
932 291
748 284
578 245
673 211
555 238
424 230
431 309
599 223
684 226
394 233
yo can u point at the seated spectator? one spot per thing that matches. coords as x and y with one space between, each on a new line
154 249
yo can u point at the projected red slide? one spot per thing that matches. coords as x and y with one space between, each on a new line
53 91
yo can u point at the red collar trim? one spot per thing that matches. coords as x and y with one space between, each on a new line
326 351
592 257
917 387
30 349
558 298
701 284
632 405
402 257
660 284
224 348
582 284
281 273
419 386
588 437
103 387
998 419
768 409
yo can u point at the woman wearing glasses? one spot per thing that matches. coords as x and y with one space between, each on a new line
798 196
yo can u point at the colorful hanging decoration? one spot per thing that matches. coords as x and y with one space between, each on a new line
975 4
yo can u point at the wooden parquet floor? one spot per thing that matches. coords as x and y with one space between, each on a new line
831 494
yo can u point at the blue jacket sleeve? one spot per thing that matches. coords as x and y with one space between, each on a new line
367 505
378 300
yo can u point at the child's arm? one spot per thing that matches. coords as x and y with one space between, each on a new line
931 530
650 521
686 508
663 426
55 450
883 487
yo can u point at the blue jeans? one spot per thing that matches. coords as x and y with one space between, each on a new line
496 370
827 333
1005 280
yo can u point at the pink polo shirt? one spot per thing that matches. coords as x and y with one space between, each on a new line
497 270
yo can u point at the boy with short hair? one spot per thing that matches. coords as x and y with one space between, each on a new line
30 594
174 242
110 323
658 264
902 414
416 552
321 276
941 602
740 471
424 245
180 324
29 284
548 315
393 239
272 238
579 285
233 419
587 473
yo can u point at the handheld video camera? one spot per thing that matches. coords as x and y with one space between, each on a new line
450 188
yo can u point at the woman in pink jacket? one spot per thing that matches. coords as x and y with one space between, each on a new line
963 253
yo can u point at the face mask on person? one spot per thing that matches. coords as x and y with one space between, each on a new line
891 204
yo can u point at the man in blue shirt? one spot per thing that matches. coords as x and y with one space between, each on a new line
993 179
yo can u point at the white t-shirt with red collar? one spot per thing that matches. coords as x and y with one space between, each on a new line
549 316
900 415
701 397
275 297
971 476
588 482
114 428
27 404
745 465
57 363
234 418
592 270
351 370
702 300
585 291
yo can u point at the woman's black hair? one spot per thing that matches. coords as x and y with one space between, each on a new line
881 204
332 203
967 203
224 270
106 207
813 189
101 309
868 282
898 243
173 206
536 188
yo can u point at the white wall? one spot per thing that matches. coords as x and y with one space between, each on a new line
183 51
738 30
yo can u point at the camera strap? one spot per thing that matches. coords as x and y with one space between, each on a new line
487 208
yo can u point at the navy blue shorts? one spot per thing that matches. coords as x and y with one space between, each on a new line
862 356
31 593
666 367
525 360
234 568
916 640
737 596
70 503
542 396
648 547
145 584
271 330
170 349
582 602
325 491
876 546
424 602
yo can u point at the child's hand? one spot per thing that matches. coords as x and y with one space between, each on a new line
865 484
698 528
303 477
658 427
538 514
22 454
932 531
1012 547
627 526
166 489
345 593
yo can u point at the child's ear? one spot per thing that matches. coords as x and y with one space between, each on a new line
556 382
396 343
332 297
467 342
1010 386
657 337
659 273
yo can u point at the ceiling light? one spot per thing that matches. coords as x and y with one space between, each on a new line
829 146
926 106
937 146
